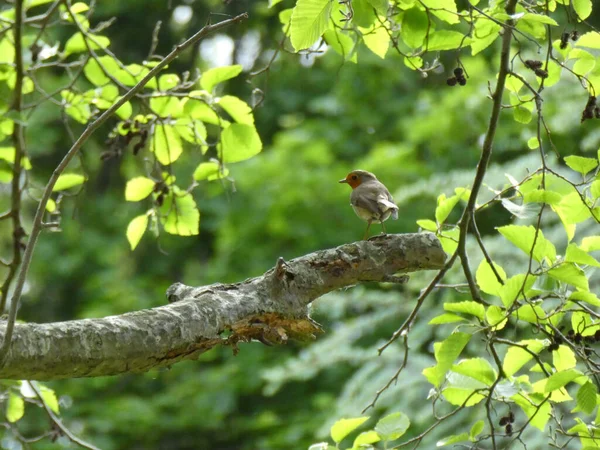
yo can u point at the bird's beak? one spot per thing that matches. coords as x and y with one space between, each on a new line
343 180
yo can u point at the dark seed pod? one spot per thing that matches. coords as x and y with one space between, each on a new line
574 35
558 339
564 40
165 190
462 81
541 73
126 126
451 81
157 187
533 64
458 72
511 417
570 333
503 421
509 429
578 338
160 199
137 147
597 335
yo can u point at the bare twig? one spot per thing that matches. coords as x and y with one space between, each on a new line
56 421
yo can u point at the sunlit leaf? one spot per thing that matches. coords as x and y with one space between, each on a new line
136 229
392 426
166 144
179 214
138 189
581 164
467 307
344 427
486 278
239 142
15 408
571 274
517 357
309 22
67 181
237 109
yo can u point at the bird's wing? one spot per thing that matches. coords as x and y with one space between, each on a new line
374 197
364 199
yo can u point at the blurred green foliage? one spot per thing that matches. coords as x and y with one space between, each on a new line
420 137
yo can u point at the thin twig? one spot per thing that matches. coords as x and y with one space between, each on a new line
56 421
39 215
19 144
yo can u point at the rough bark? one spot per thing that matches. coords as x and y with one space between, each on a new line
270 308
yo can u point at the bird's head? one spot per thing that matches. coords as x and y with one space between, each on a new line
357 177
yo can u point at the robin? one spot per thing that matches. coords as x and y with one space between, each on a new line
370 199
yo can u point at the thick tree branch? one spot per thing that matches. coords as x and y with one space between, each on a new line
270 308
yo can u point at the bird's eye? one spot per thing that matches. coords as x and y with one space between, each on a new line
354 177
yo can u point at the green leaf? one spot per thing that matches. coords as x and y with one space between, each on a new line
309 21
560 379
49 397
168 81
590 243
577 255
521 114
542 196
496 317
380 5
517 357
523 237
571 274
443 9
166 144
476 429
447 40
237 109
414 27
533 143
484 35
342 44
446 205
138 189
210 171
536 408
212 77
15 408
179 214
164 106
583 8
95 74
446 318
377 40
77 43
445 354
467 307
515 287
581 164
136 229
572 209
487 280
344 427
538 18
365 438
530 313
586 397
454 439
428 225
477 368
586 297
392 426
589 40
198 109
67 181
239 142
563 358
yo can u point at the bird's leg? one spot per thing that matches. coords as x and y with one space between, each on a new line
383 228
367 232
